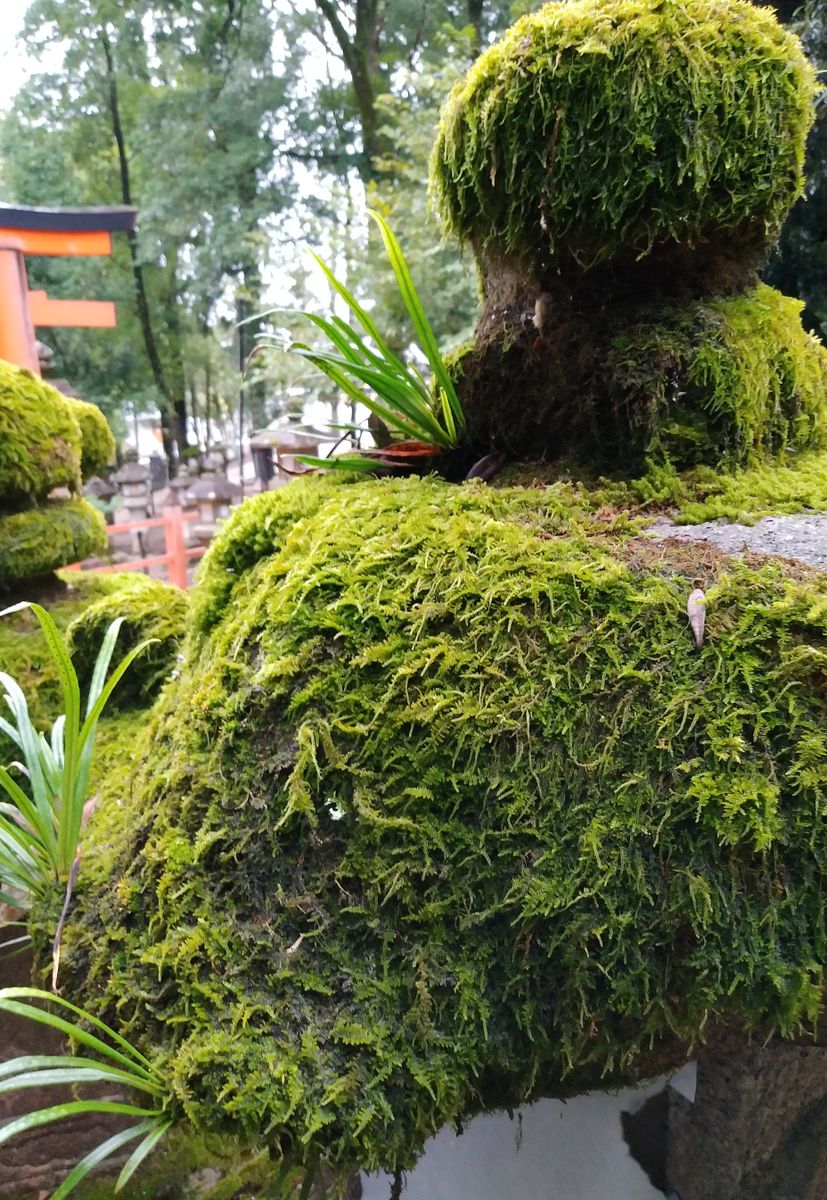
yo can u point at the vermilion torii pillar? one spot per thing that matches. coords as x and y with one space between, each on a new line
50 231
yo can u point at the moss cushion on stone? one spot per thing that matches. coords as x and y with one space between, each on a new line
446 812
597 126
150 610
98 443
40 438
733 381
39 540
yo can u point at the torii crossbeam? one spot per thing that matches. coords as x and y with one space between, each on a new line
50 231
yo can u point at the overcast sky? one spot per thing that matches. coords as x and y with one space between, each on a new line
13 64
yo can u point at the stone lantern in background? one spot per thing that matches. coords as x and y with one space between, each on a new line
133 484
213 496
104 491
275 448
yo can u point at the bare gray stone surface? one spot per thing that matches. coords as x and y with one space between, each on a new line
803 537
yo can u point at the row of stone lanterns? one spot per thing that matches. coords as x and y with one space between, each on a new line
211 496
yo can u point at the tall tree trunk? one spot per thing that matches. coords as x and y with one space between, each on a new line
360 54
207 405
475 8
141 299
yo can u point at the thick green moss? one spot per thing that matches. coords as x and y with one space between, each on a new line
39 540
25 656
596 126
747 384
446 812
258 529
40 439
730 382
150 609
98 443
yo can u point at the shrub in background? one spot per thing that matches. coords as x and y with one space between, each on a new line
97 441
148 610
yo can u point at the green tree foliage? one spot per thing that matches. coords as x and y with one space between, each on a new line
172 108
225 110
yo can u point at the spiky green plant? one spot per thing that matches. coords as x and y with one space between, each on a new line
119 1064
397 391
40 824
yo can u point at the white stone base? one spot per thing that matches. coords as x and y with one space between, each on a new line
548 1151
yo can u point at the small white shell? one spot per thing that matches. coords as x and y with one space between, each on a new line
696 611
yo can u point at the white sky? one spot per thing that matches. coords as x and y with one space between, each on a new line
14 66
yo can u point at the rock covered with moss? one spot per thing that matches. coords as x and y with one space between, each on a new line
605 127
445 813
151 610
621 168
40 438
47 442
37 541
97 441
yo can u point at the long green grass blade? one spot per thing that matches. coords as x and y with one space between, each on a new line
102 662
42 824
340 462
67 1076
422 327
360 345
86 739
71 707
362 316
141 1152
28 741
43 1062
46 1116
95 1157
15 946
10 731
396 394
390 416
10 1001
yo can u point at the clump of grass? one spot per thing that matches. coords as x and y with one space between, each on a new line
40 827
118 1064
397 394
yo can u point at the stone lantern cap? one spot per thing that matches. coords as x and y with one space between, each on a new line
210 487
131 472
291 436
104 489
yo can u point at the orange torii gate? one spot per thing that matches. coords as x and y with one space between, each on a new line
52 231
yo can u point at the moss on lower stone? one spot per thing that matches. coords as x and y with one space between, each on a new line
40 439
97 442
40 540
731 381
150 610
446 812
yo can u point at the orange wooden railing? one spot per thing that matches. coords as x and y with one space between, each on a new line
176 551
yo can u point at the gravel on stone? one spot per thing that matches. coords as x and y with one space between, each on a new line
803 537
